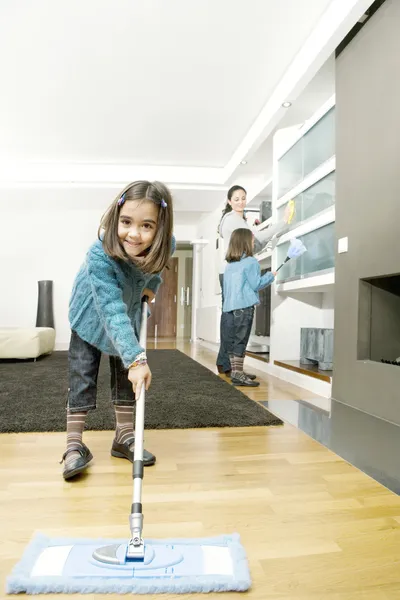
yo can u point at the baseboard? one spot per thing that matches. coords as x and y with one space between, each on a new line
208 323
209 345
316 386
61 346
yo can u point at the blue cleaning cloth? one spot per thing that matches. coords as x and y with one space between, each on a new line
296 248
176 566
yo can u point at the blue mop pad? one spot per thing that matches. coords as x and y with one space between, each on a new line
175 566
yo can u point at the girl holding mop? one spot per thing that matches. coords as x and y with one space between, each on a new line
135 244
242 282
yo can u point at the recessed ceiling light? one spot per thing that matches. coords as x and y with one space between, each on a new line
286 104
243 162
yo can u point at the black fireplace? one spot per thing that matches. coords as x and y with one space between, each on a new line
379 319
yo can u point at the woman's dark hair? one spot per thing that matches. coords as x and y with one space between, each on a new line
228 207
159 252
241 242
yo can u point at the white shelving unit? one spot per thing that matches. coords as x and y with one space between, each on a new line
316 283
319 173
325 217
302 296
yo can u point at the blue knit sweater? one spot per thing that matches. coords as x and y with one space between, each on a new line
105 304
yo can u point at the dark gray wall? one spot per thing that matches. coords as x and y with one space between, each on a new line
367 202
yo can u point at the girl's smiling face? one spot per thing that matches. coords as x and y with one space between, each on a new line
137 226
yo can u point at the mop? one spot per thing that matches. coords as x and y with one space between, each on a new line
136 565
295 250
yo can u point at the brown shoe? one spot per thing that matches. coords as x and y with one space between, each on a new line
123 451
79 464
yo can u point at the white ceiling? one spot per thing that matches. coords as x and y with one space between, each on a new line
157 82
121 88
317 92
200 200
186 200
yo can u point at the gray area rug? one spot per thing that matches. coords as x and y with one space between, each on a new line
183 395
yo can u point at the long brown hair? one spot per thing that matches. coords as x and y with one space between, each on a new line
159 252
241 243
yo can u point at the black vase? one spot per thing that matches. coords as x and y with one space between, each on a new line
45 317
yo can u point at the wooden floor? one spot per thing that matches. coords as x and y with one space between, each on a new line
314 527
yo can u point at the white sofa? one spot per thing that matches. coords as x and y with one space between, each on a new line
30 342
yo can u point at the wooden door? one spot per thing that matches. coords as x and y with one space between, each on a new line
162 322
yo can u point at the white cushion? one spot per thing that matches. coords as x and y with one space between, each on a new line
30 342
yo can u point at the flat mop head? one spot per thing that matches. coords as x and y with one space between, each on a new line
176 566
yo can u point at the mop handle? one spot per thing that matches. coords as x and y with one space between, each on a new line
139 424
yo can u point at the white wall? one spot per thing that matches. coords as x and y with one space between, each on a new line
44 234
209 296
209 290
291 312
328 311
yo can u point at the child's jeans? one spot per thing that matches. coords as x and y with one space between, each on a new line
84 362
239 323
223 354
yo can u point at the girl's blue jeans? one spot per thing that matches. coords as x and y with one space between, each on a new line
223 356
234 333
239 324
84 363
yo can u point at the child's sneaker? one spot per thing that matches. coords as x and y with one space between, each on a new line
242 380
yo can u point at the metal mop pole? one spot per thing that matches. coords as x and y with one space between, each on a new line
135 548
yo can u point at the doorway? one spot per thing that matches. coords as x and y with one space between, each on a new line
163 320
184 253
186 330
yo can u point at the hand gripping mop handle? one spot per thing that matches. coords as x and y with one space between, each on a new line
135 546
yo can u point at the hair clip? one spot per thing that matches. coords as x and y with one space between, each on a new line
121 200
163 203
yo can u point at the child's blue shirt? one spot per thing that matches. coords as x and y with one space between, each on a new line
242 282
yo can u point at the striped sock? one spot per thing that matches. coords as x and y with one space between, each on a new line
232 361
124 418
75 427
237 366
